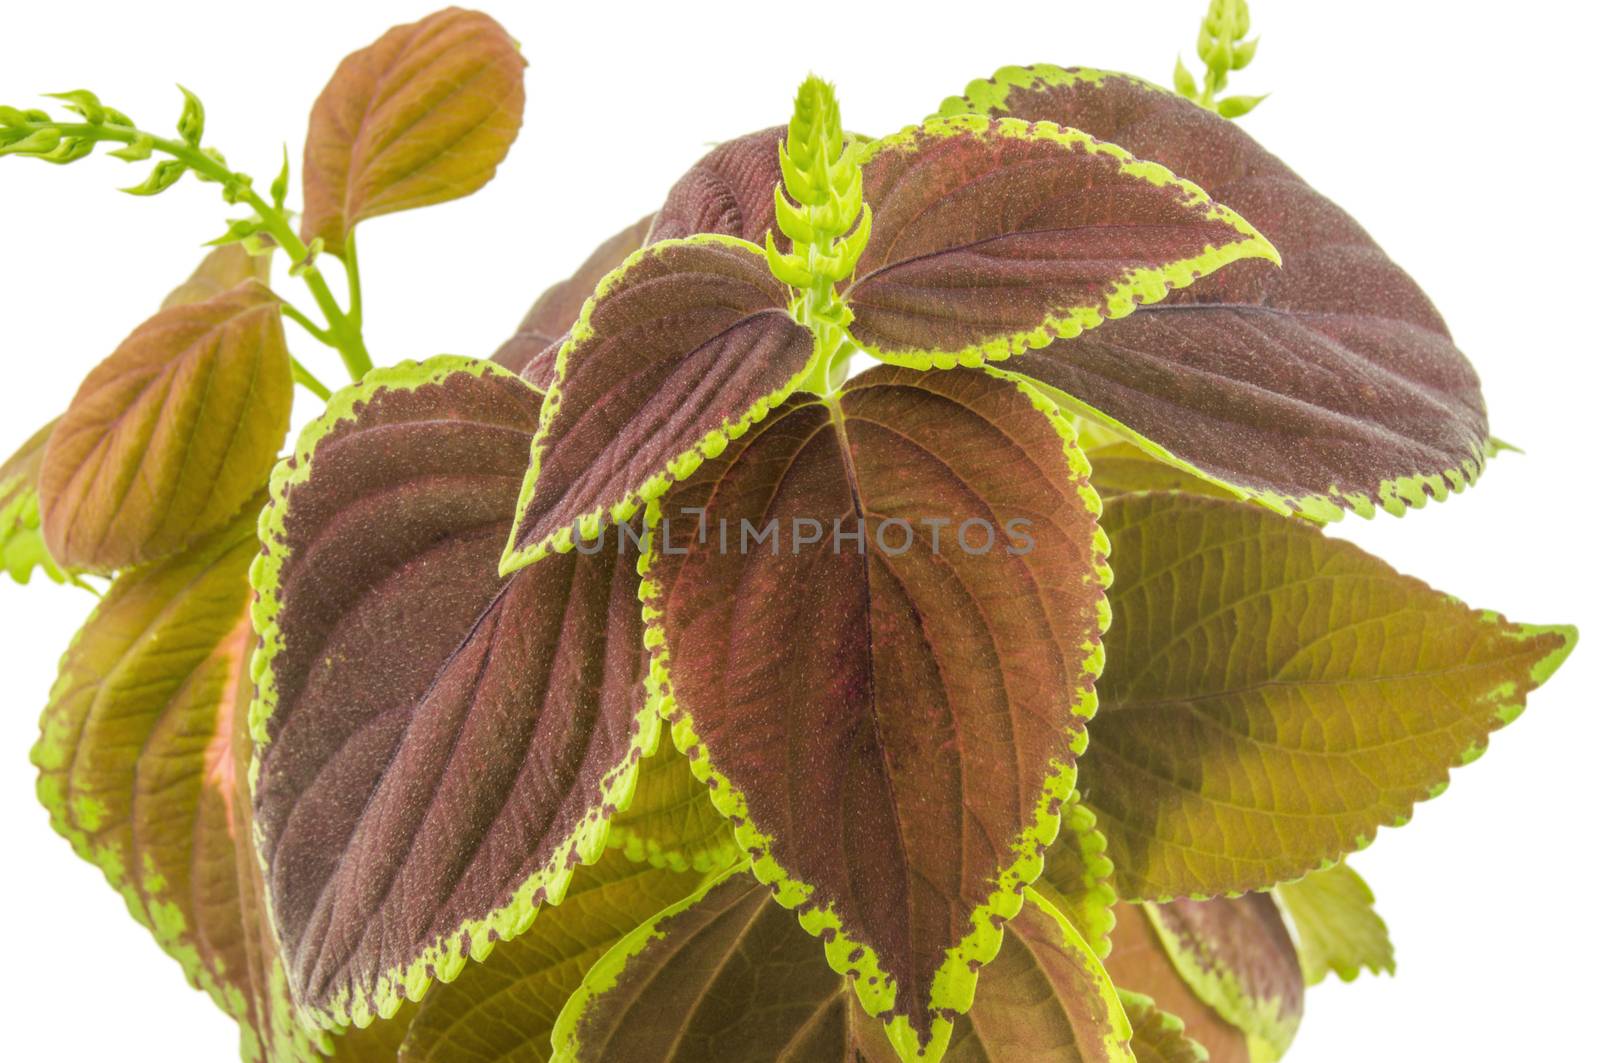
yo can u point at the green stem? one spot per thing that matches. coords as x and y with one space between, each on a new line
306 379
306 323
344 330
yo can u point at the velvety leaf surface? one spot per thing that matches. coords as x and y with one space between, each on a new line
729 191
168 437
1139 963
437 747
135 756
424 114
1119 467
505 1008
1329 383
682 350
1336 926
22 546
1273 696
1077 877
671 821
728 974
1237 956
531 351
1158 1035
994 237
897 771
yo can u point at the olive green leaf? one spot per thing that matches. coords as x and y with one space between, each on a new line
1158 1035
1336 926
423 115
1273 696
224 268
171 434
22 546
504 1008
1077 877
671 822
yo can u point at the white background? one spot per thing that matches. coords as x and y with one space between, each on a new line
1462 140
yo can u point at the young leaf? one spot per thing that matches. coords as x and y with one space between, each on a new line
505 1008
437 748
912 752
135 756
727 192
1237 957
1158 1036
423 115
995 237
1273 696
671 821
727 974
1077 877
1234 379
1139 965
226 267
1336 925
680 350
171 434
532 349
22 546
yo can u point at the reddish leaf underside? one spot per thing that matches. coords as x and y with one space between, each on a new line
1330 382
910 751
169 436
437 746
682 348
991 238
423 115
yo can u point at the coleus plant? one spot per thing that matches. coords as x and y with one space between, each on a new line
373 736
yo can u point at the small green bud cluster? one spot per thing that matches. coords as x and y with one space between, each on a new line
1222 50
819 207
35 134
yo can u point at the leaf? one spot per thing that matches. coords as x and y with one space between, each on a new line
1273 696
531 351
1237 957
134 757
1077 877
671 822
222 269
1336 926
1119 467
727 974
1158 1035
437 748
681 349
423 115
860 712
505 1007
170 435
22 546
728 192
1331 383
1139 965
991 238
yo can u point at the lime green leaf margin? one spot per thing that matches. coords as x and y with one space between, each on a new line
955 982
475 938
679 467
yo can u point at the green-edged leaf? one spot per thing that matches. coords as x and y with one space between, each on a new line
1158 1035
680 350
1336 926
1237 957
437 748
671 822
224 268
531 351
727 974
1077 877
1273 696
995 237
22 546
1329 383
423 115
1119 467
168 437
135 756
1139 964
729 191
891 724
505 1008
